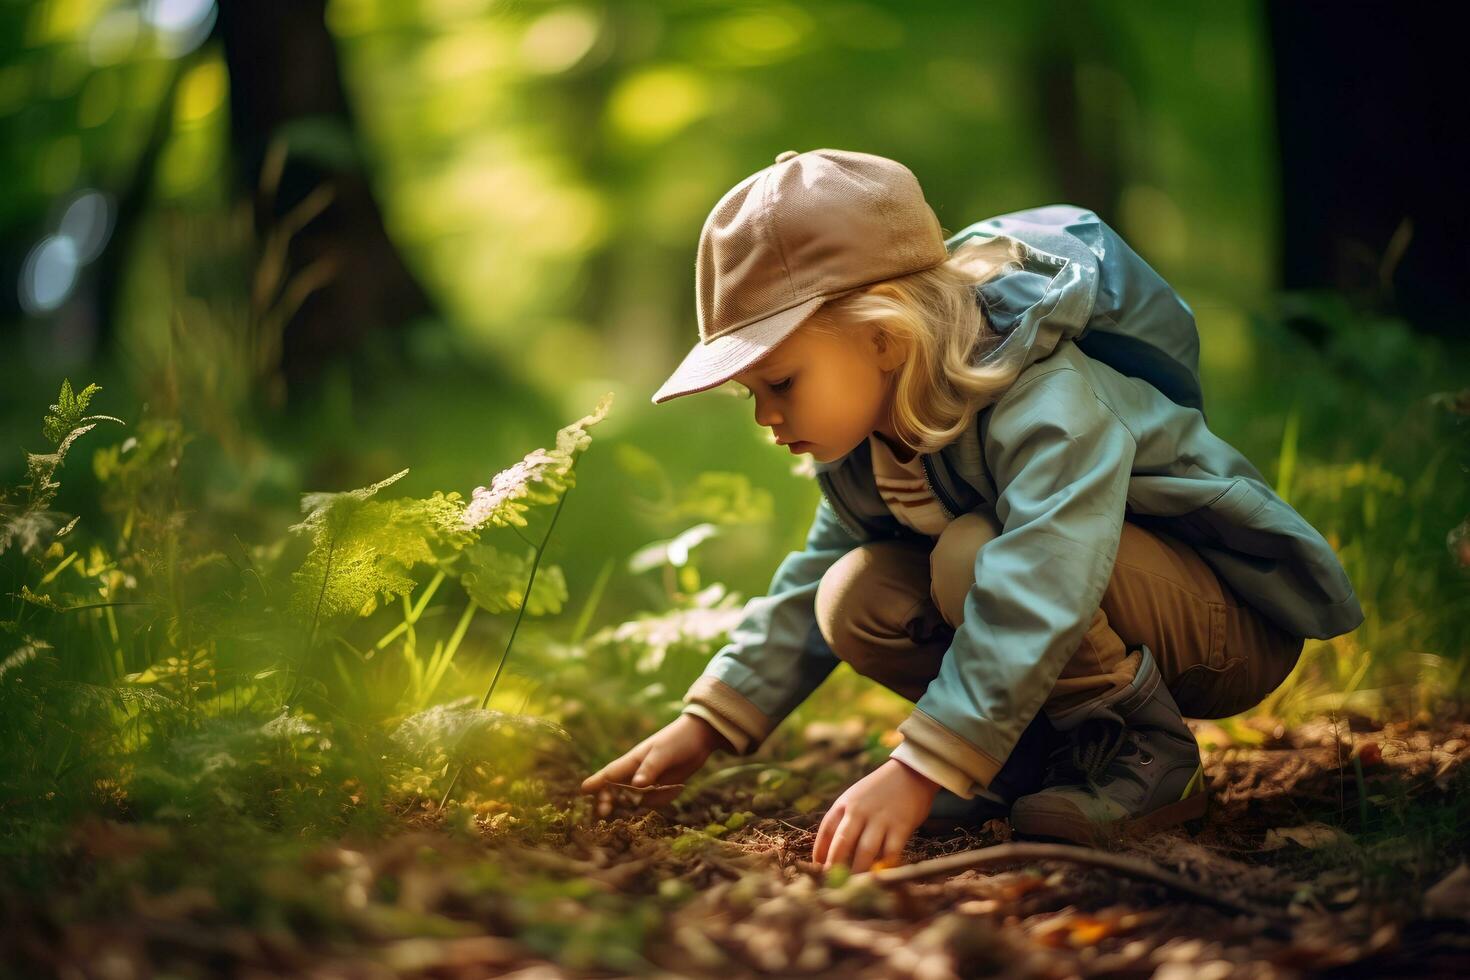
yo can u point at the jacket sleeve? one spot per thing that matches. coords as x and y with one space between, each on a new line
1061 461
776 656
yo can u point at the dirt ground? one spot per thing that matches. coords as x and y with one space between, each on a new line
1335 848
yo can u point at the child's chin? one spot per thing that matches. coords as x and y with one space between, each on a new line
825 457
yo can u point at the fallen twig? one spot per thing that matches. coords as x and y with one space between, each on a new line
647 788
1016 852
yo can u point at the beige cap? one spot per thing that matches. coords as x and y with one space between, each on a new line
786 239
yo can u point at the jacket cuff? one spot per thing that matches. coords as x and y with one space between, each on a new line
930 735
738 740
928 764
733 707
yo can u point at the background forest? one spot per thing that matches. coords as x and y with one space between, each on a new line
334 502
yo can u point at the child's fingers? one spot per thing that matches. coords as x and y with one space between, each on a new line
599 779
894 846
844 840
824 835
649 769
616 771
892 854
869 846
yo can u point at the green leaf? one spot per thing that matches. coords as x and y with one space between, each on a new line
318 506
724 498
496 580
64 426
364 548
69 413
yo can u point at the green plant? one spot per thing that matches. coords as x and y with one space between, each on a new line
179 672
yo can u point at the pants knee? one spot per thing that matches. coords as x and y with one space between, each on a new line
833 619
865 604
952 562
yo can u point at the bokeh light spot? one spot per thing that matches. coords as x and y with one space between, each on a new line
87 222
182 25
48 275
557 41
654 104
202 91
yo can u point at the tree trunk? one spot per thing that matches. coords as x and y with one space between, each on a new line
283 69
1373 160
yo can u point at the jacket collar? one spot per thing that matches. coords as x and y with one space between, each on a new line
956 475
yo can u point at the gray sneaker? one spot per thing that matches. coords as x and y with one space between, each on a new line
1130 766
1021 774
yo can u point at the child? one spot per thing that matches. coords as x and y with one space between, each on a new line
1026 526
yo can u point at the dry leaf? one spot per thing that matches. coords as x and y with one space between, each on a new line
1311 836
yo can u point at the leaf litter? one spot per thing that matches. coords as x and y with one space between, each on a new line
1284 880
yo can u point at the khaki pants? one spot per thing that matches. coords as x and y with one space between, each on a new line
890 608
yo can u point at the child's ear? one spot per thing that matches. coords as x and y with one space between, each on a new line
890 352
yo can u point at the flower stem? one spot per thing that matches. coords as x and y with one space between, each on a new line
520 614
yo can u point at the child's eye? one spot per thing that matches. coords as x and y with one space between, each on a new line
780 386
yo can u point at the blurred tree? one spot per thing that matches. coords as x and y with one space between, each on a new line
284 85
1082 129
1372 165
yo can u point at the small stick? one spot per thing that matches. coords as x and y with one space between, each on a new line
648 788
1012 853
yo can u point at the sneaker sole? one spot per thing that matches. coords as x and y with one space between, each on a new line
1070 825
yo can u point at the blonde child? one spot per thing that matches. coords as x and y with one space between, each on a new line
1026 526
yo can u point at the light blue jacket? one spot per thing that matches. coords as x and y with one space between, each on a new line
1073 446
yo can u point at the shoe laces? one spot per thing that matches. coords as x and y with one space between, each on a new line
1090 748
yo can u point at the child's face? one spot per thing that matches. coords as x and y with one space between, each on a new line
824 394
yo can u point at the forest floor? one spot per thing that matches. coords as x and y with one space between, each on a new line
1332 848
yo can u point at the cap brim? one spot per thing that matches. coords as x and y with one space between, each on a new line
716 362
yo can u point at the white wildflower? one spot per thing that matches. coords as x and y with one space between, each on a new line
539 478
695 630
508 486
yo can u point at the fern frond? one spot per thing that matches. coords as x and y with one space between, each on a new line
318 506
28 651
364 548
68 414
64 426
459 727
541 477
31 528
346 579
497 580
696 631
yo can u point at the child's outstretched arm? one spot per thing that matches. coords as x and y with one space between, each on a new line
776 656
667 757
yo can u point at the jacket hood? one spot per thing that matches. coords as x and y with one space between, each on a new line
1048 285
1075 278
1065 275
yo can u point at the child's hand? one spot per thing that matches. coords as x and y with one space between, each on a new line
668 756
875 817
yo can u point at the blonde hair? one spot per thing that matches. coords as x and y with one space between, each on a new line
934 314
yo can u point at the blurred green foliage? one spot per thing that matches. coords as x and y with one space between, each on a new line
545 170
